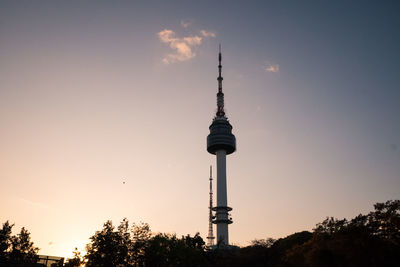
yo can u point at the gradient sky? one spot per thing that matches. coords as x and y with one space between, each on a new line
97 93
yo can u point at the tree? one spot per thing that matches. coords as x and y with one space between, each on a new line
16 249
366 240
141 235
135 246
5 241
263 242
124 246
280 247
168 250
105 248
22 249
385 221
76 261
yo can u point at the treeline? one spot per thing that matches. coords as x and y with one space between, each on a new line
16 250
366 240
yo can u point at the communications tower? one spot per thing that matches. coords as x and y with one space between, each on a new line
221 142
210 236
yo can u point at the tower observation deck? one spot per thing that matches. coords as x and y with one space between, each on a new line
221 142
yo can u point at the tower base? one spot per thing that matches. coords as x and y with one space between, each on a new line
225 247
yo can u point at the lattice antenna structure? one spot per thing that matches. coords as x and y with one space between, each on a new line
210 237
220 94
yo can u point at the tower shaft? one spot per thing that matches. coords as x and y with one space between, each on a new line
221 178
222 200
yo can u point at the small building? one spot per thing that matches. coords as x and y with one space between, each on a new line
50 261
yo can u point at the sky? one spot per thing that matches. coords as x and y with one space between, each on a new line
105 108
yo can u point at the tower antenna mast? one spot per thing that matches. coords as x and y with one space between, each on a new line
210 236
220 94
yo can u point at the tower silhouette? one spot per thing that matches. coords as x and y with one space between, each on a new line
221 142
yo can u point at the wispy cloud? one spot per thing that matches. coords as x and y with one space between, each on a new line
207 33
185 23
33 203
272 68
194 40
183 47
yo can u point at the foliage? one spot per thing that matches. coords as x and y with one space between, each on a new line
5 241
366 240
134 246
107 248
385 221
141 235
16 250
280 248
76 261
263 242
123 246
168 250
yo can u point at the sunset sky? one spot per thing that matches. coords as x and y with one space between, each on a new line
105 108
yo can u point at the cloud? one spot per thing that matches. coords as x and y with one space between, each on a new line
185 23
166 36
207 33
182 47
33 203
194 40
272 68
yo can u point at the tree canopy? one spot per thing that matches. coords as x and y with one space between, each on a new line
135 246
16 250
366 240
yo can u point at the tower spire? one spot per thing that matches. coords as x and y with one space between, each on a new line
220 94
210 236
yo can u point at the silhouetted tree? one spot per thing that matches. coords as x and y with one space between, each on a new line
22 249
280 247
124 246
16 250
168 250
366 240
5 241
263 242
141 235
76 261
385 221
106 248
134 246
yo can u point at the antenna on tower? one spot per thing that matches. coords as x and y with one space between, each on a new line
220 94
210 236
